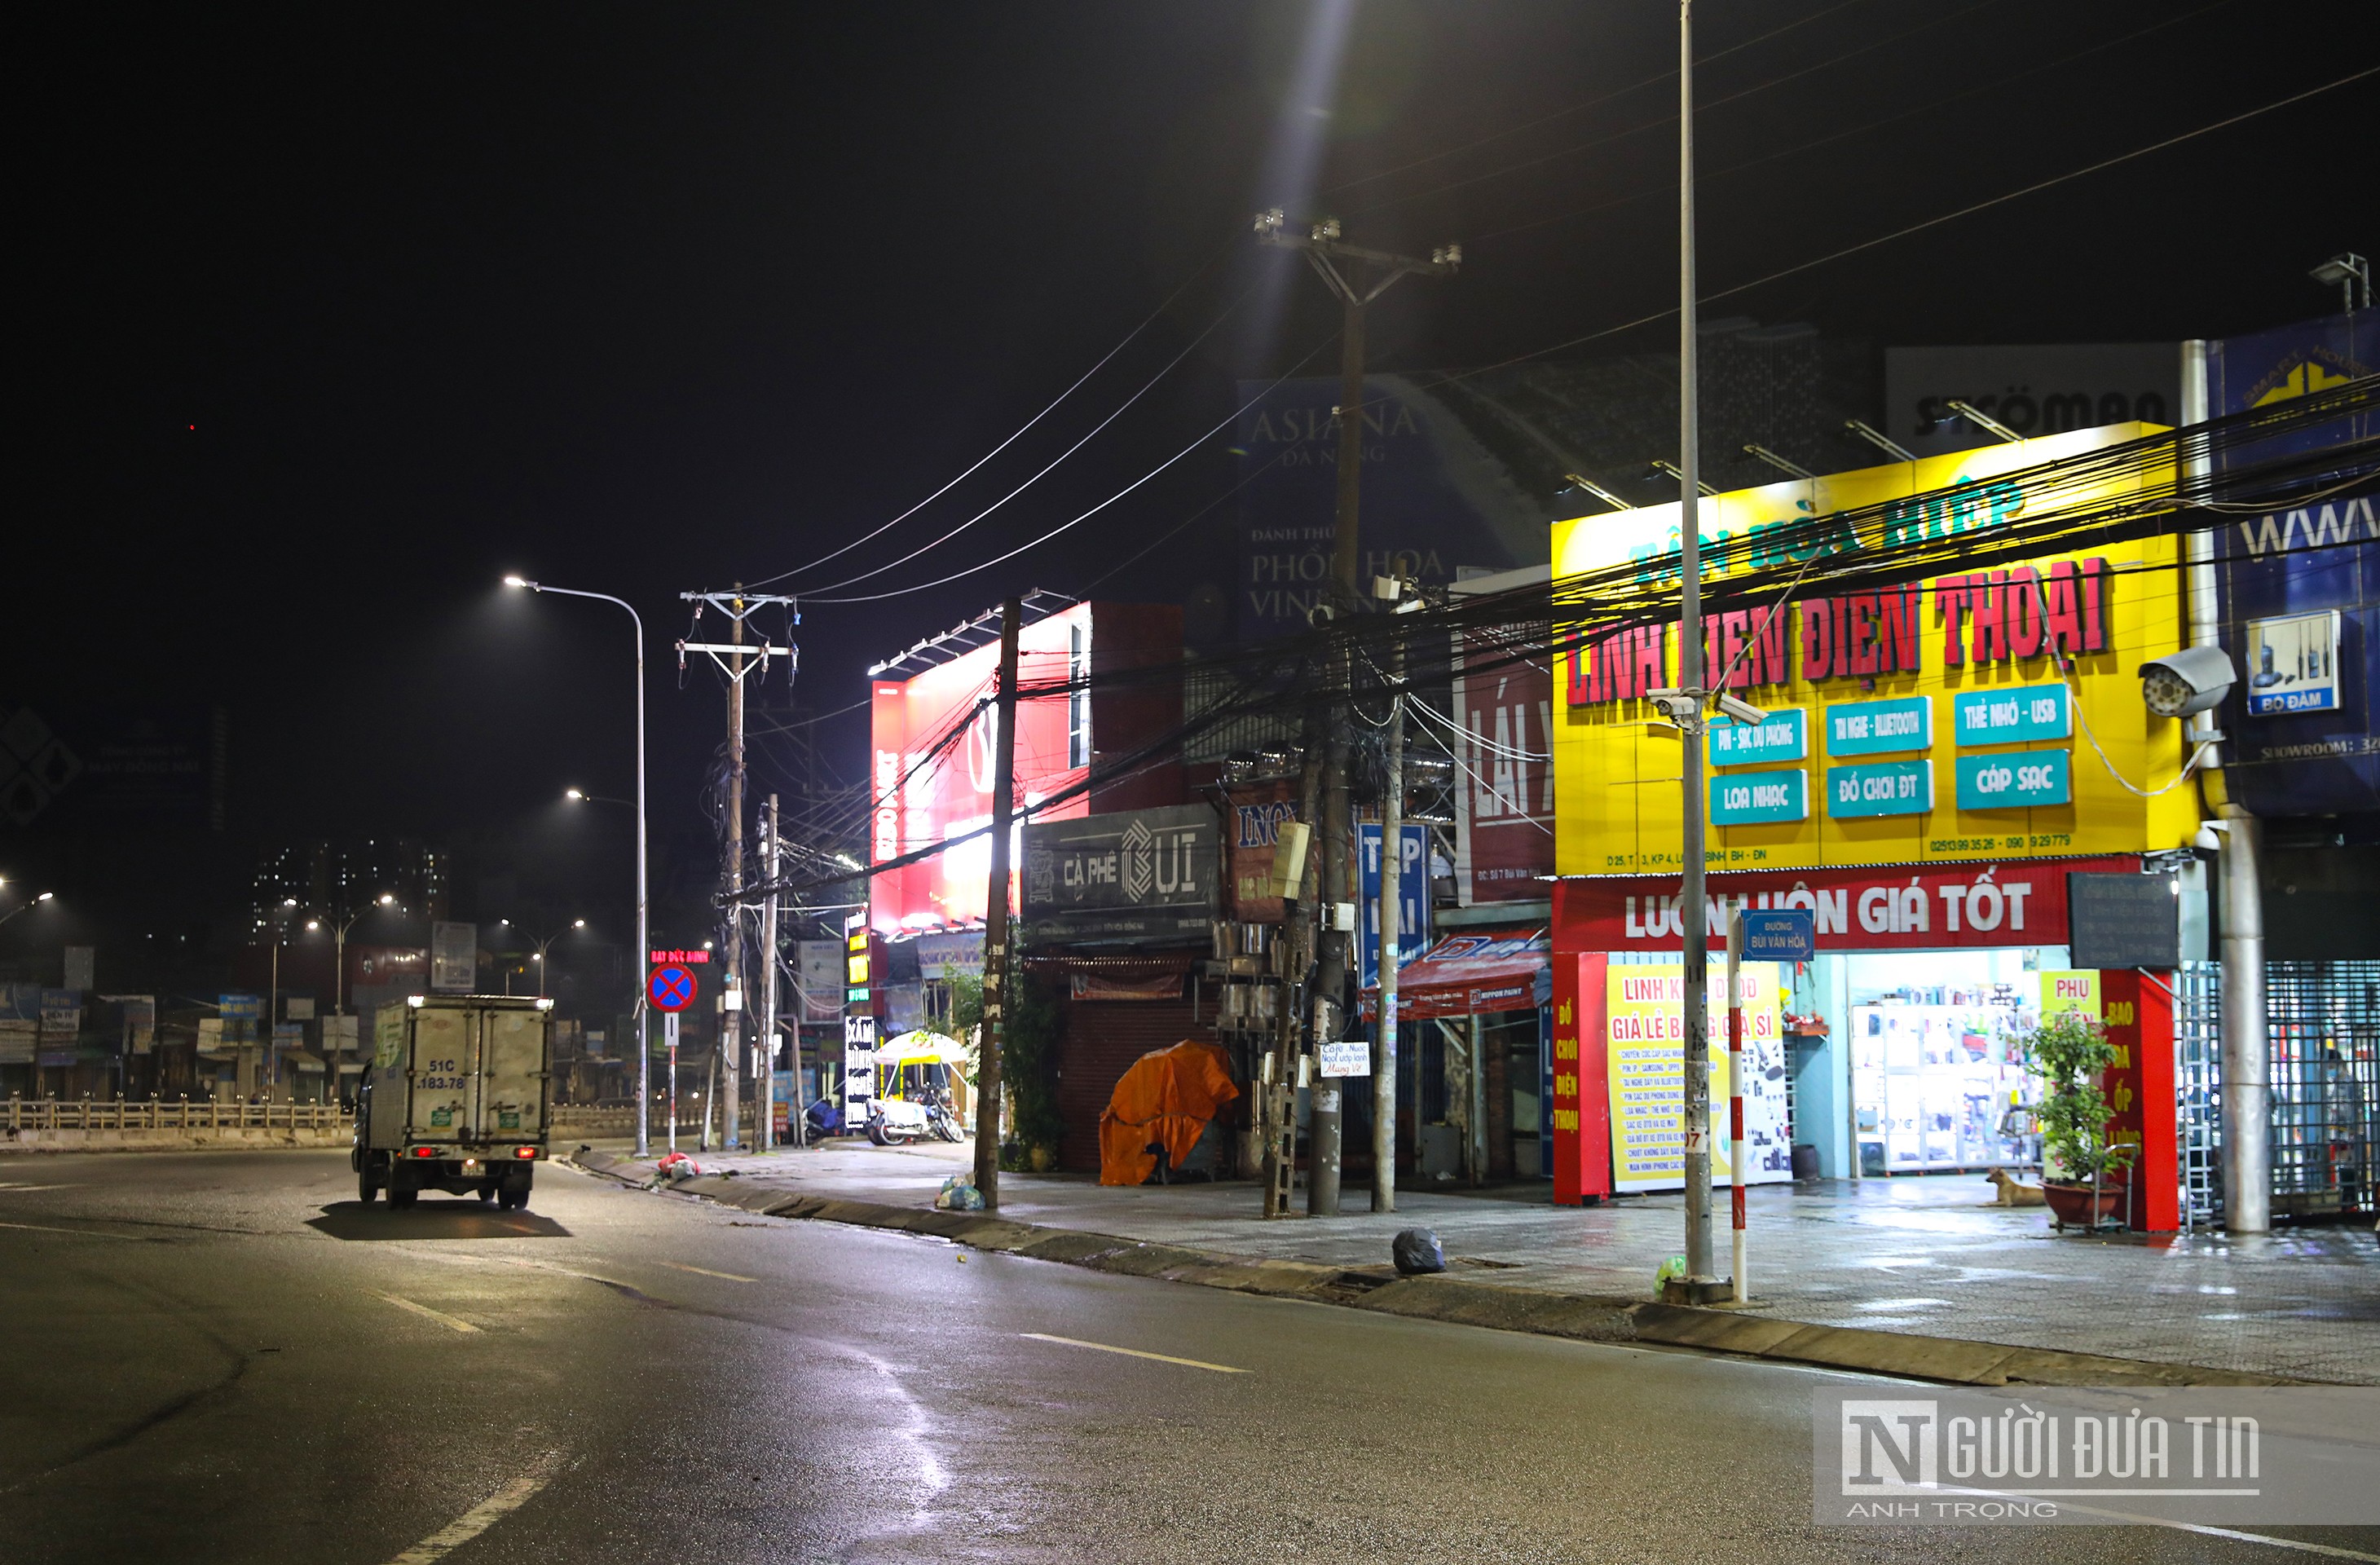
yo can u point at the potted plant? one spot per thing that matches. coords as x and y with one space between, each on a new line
2070 1054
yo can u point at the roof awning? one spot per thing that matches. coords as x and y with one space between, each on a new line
302 1061
1470 975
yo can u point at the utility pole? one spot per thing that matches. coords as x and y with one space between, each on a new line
764 1088
1392 855
995 914
1686 708
731 658
1355 276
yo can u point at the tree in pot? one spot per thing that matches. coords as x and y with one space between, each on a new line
2070 1054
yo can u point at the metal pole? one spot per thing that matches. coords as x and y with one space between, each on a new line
2247 1055
669 1030
644 932
731 1028
995 915
1384 1054
1691 901
764 1086
1735 1167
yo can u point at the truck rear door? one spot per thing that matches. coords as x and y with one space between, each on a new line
445 1046
512 1081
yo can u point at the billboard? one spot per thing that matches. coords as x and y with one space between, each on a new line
1924 722
919 799
1142 876
1435 498
453 957
1504 777
1646 1041
72 767
2041 389
2299 587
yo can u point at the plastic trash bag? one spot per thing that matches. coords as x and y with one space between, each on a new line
1416 1250
959 1195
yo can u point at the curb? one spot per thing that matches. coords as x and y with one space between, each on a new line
1581 1317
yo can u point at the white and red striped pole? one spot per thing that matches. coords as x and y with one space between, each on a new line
1735 1166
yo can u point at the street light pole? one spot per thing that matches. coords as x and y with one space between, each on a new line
644 1053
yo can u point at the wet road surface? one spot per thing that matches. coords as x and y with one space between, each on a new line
224 1356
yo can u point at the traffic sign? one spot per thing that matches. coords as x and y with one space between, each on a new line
1779 934
670 988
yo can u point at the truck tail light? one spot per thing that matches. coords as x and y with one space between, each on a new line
524 1151
425 1151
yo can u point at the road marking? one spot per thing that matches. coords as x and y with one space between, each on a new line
706 1271
78 1232
2328 1550
1133 1352
485 1514
29 1189
447 1320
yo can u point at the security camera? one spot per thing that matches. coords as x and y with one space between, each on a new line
2193 680
1741 712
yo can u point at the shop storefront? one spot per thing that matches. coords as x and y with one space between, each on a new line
1939 760
1473 1020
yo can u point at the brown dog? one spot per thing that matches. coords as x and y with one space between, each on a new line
2014 1191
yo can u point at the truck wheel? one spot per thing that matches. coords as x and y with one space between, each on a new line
401 1191
510 1200
364 1186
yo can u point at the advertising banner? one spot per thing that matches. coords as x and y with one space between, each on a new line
1141 876
1435 498
2034 389
1412 899
1504 779
1901 907
1259 812
1646 1043
820 969
453 957
1976 715
2299 587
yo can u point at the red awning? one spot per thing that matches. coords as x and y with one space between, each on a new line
1468 975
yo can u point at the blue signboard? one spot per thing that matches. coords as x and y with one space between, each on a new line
1785 736
2015 780
1413 897
2306 739
2020 714
239 1007
1755 798
1873 728
1891 787
1779 934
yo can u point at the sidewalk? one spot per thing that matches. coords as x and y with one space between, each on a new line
1930 1256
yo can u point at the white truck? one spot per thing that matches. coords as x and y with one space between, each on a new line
457 1098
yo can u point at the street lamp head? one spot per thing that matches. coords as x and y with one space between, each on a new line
314 923
573 794
578 922
388 899
45 896
288 902
520 581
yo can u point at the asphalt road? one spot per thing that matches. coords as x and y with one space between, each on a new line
222 1356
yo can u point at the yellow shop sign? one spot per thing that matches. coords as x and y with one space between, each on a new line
1927 722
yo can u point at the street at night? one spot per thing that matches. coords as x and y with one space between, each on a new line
229 1359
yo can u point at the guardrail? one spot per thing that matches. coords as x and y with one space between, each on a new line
54 1113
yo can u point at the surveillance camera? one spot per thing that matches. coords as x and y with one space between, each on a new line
2193 680
1741 712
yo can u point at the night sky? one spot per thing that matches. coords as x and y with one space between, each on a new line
333 316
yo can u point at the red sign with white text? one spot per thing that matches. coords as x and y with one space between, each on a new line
918 802
1504 784
1876 907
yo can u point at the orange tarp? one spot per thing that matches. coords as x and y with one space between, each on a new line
1165 1099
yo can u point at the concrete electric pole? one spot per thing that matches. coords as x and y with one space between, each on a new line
995 914
731 658
1355 276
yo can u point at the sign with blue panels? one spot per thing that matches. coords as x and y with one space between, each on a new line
1755 798
1891 788
2015 780
239 1007
1785 736
2021 714
1779 934
1413 897
2320 753
1871 728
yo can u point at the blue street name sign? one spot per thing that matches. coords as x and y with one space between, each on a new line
1779 934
